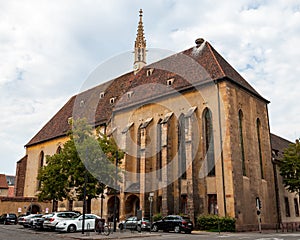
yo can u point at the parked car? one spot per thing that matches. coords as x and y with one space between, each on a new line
37 223
173 223
75 224
50 220
27 221
8 218
134 224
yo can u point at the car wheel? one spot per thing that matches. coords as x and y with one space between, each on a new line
138 228
177 229
72 228
154 228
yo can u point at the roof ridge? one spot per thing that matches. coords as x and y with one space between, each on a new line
212 52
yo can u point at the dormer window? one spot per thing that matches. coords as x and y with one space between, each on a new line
129 94
170 81
112 100
149 72
81 103
102 95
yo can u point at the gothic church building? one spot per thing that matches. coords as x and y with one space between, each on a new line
195 134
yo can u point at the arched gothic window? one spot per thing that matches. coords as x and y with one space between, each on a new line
208 138
41 164
58 150
158 150
258 129
242 142
181 146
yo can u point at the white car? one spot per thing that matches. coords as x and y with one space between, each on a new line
75 224
52 219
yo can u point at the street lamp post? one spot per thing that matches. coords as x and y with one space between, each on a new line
84 201
115 194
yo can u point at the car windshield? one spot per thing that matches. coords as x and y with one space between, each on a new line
12 215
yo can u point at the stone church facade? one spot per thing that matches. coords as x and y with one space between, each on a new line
195 134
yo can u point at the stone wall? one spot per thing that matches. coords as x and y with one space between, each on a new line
22 205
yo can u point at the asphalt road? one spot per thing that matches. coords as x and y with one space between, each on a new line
17 232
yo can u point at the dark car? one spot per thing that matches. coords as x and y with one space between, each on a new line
134 224
173 223
8 218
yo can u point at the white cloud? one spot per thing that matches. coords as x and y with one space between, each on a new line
48 49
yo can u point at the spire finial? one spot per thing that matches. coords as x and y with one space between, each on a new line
141 13
140 45
140 41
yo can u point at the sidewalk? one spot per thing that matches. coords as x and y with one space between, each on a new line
115 235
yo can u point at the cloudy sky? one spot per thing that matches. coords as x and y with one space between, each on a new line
49 48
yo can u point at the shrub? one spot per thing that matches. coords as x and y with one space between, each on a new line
157 217
214 222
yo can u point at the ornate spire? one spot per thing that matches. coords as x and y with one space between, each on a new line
140 46
140 41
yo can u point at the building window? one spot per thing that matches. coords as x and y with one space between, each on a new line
287 207
242 142
296 207
149 72
212 204
129 94
112 100
41 164
258 129
170 82
209 142
58 150
138 158
183 205
101 95
181 147
158 150
159 204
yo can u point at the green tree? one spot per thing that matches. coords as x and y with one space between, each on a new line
84 156
290 167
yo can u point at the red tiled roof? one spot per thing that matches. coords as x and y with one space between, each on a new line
190 68
279 144
3 183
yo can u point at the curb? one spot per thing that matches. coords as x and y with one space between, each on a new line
114 236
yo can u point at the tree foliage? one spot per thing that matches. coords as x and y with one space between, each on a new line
83 156
290 167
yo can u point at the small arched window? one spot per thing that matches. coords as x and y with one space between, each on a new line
58 150
208 137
